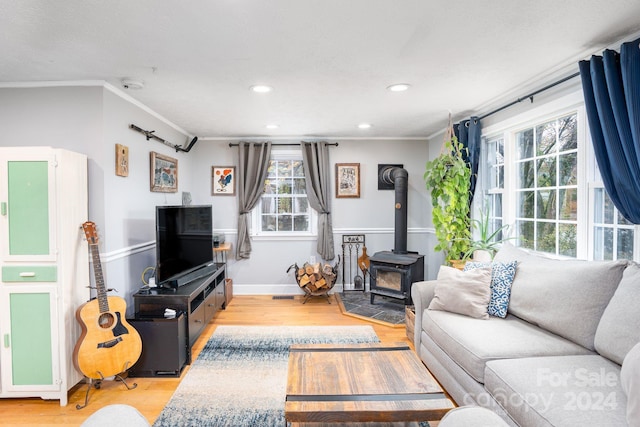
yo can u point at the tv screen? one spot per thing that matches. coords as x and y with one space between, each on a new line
184 240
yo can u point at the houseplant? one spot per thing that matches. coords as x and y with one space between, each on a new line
448 179
487 243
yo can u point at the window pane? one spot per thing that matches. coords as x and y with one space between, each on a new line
598 209
622 220
546 237
567 132
546 204
271 171
284 205
284 168
569 204
301 223
285 223
525 234
268 205
284 186
297 168
268 223
603 243
300 205
526 204
526 174
524 144
625 244
569 169
567 239
546 138
299 186
547 172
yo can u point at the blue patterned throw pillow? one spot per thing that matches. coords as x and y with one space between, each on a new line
502 274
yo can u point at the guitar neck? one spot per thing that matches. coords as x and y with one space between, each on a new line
101 289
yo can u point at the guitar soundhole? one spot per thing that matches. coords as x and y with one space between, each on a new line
105 320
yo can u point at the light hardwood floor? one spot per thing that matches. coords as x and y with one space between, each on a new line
152 394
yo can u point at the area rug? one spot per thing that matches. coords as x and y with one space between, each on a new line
240 377
383 310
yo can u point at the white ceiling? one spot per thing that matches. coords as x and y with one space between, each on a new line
329 61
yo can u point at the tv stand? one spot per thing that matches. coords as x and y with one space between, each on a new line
199 300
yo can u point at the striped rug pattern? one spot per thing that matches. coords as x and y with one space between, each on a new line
240 377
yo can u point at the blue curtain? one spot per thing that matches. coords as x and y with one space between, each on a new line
468 133
611 85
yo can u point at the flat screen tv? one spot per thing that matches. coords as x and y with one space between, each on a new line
184 241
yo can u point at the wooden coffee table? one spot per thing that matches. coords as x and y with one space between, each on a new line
360 383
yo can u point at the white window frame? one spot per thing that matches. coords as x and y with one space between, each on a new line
256 222
508 129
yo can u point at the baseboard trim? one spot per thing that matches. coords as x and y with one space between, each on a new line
272 289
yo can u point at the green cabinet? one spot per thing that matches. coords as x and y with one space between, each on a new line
44 269
30 315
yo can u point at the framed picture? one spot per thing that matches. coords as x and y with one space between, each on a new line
122 160
223 180
347 180
164 173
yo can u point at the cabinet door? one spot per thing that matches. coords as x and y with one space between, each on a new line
27 187
29 353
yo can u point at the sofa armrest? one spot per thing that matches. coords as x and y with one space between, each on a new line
422 294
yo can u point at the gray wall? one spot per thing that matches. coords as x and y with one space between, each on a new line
92 119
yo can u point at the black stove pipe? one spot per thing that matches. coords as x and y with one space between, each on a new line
399 177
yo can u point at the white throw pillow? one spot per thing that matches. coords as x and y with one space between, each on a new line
630 379
463 292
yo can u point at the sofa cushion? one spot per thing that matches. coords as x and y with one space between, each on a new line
461 292
558 391
630 380
502 275
472 342
619 327
566 297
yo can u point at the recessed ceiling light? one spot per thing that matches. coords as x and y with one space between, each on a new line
364 125
272 126
261 88
399 87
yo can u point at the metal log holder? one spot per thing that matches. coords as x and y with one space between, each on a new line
353 278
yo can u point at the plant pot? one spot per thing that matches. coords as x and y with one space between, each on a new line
458 263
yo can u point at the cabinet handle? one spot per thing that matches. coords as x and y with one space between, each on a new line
27 274
198 321
7 341
3 208
211 305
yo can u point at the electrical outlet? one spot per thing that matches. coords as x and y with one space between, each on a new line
312 259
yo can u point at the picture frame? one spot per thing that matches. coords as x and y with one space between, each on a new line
347 180
163 173
122 160
223 180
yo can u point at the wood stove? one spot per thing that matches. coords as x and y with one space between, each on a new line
393 272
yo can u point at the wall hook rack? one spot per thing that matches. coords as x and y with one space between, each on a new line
151 135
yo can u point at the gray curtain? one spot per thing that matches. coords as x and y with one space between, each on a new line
315 156
253 164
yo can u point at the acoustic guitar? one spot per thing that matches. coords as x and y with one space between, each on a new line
108 345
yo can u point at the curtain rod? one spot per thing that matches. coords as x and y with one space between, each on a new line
530 95
235 144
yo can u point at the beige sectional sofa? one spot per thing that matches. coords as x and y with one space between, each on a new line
555 359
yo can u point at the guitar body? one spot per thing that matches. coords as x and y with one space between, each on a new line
108 345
